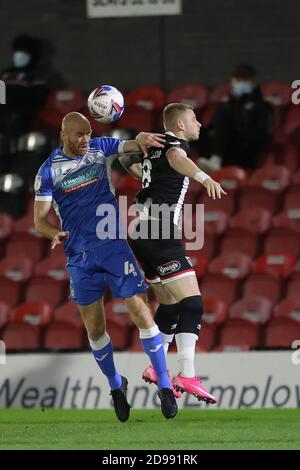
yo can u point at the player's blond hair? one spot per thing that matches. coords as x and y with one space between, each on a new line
173 111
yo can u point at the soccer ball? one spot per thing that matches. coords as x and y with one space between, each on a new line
106 104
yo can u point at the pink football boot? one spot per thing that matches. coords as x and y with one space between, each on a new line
149 375
195 387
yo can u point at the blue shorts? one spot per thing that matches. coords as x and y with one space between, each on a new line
112 264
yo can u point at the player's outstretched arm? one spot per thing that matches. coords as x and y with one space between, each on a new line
179 161
132 164
42 226
143 141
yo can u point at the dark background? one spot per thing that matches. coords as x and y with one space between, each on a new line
202 45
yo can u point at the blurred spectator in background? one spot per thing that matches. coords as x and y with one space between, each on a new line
242 125
27 86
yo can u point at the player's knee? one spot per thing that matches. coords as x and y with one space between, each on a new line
167 317
95 331
190 314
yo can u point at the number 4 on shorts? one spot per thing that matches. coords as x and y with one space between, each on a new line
129 268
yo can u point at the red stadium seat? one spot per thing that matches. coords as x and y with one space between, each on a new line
289 219
69 313
280 239
131 183
293 288
19 244
46 289
207 114
288 308
4 312
21 336
62 335
292 199
199 263
290 159
253 309
277 93
234 265
117 308
207 337
59 103
119 332
226 204
231 177
239 241
215 222
207 251
26 223
274 178
279 265
66 100
214 311
295 179
219 286
240 332
292 121
137 118
10 291
258 197
194 94
263 285
281 333
253 219
17 268
58 252
147 97
220 93
54 267
35 313
6 226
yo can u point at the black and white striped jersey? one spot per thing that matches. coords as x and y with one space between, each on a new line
160 183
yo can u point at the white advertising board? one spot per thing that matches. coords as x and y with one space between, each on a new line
239 380
115 8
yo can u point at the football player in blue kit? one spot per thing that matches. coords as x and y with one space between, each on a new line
75 179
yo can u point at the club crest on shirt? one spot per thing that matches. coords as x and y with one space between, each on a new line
37 182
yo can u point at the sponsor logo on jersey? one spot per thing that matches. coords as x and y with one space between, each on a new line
168 268
79 181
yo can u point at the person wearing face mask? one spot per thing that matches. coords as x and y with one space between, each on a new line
242 125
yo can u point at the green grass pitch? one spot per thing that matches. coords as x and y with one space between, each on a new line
148 430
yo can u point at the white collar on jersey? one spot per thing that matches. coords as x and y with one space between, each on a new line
172 134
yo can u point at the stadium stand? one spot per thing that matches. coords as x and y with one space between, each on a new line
249 266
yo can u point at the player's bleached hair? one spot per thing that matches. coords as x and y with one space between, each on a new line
173 111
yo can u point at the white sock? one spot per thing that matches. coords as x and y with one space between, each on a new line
149 332
100 343
186 343
167 340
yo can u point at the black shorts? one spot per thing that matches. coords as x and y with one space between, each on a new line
162 260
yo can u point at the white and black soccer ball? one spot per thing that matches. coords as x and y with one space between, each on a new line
106 104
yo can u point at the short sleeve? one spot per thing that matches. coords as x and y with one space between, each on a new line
107 145
43 184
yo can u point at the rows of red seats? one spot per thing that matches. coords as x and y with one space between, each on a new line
144 105
248 270
247 324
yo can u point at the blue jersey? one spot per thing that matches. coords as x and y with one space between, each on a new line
80 190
